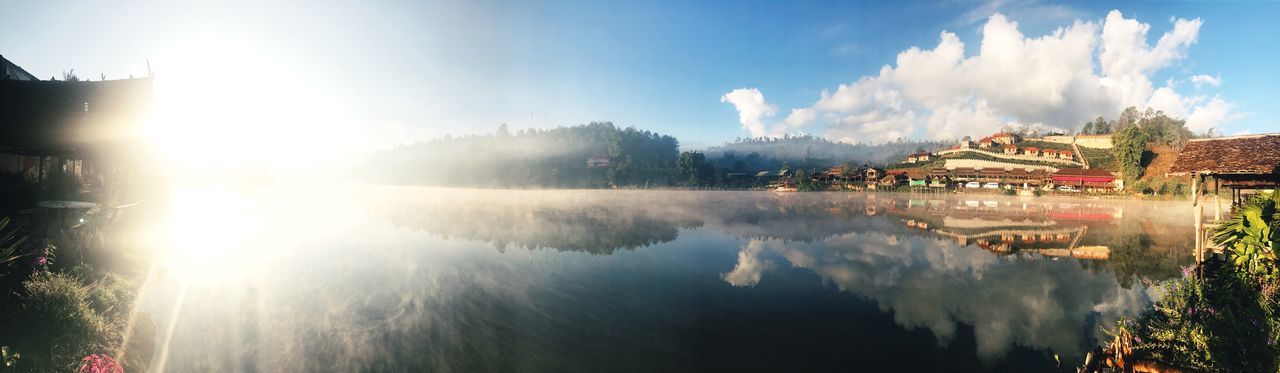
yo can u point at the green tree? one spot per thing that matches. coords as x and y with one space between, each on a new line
1128 145
1098 126
691 168
1128 118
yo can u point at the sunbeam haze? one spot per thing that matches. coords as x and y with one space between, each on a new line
661 186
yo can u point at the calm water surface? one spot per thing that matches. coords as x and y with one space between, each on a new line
412 279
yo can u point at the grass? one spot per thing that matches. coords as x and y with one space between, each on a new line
1100 158
1043 145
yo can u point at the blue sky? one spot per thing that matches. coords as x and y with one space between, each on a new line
411 70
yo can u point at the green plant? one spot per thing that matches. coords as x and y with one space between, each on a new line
1215 324
1251 235
1229 318
10 242
67 316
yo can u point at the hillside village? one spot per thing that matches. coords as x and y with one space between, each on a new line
1000 162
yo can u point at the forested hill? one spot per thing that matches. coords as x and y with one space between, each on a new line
555 157
812 150
600 154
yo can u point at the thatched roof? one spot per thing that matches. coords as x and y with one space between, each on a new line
1255 154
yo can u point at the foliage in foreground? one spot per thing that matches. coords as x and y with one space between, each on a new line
1230 320
1217 324
11 241
66 317
1251 236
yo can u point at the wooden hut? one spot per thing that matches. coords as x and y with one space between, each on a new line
1241 163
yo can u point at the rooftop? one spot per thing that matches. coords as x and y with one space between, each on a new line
1253 154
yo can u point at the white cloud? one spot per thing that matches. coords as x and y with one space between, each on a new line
1203 80
1060 80
1212 115
752 109
750 266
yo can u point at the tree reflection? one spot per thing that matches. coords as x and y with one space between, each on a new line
1135 240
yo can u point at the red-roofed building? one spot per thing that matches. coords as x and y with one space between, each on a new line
1010 149
1065 154
1049 153
1086 179
1031 151
1004 138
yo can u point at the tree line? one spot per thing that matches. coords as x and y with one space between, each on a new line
633 158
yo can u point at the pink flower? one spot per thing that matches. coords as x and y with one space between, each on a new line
100 363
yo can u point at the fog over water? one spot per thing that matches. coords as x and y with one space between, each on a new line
359 278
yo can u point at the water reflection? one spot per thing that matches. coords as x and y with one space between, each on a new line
407 279
1149 243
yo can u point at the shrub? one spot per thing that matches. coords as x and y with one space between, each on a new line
1230 319
1217 324
65 317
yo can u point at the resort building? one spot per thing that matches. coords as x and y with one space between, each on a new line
1031 151
1088 180
918 157
1065 154
1004 138
1010 149
872 174
1049 153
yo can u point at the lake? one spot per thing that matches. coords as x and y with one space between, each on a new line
356 278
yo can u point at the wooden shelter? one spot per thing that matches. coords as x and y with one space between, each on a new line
47 125
1240 163
1237 162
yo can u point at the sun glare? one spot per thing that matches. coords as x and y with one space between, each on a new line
224 105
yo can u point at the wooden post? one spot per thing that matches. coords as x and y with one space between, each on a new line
1195 189
1200 244
1217 205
